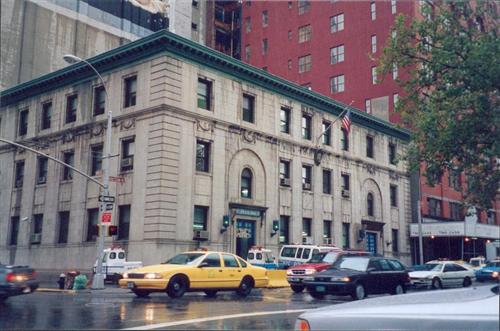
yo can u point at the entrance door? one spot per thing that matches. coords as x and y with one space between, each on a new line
245 237
371 242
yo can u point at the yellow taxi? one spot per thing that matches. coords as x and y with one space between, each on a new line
206 271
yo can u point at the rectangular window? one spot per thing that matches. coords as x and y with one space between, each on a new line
337 84
394 71
63 227
306 177
305 33
454 180
204 94
337 23
247 53
327 133
248 25
456 211
284 229
202 156
373 11
96 159
46 115
345 182
327 181
337 54
304 6
130 91
345 235
434 206
306 229
304 63
248 108
41 176
394 195
393 7
99 100
127 156
68 158
200 219
374 44
14 230
492 216
37 224
265 47
327 233
285 120
392 153
395 99
92 217
368 106
18 183
344 140
23 122
123 222
284 173
265 18
374 75
71 108
306 126
369 146
395 243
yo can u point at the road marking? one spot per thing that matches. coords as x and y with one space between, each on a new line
215 318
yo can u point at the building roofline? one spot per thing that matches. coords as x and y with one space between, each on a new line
167 42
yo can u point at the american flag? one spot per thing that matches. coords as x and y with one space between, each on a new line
346 121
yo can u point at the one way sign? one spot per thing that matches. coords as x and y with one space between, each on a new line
106 198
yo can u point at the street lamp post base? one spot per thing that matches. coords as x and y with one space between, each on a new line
98 282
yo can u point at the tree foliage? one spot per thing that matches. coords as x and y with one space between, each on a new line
451 101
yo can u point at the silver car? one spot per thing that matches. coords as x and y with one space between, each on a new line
474 308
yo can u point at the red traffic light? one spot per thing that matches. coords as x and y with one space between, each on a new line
112 230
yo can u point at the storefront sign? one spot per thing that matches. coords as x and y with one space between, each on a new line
247 212
441 229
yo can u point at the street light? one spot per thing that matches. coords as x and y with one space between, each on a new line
98 279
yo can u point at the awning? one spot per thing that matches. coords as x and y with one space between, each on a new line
372 225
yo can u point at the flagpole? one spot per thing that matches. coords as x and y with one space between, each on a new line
330 125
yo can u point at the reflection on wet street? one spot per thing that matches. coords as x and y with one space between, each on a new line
116 309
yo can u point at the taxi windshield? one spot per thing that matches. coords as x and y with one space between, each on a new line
185 258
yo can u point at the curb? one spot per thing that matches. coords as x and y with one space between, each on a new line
43 289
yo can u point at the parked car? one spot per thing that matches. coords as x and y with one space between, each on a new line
16 280
295 275
489 272
114 263
291 255
205 271
360 276
474 308
442 274
477 262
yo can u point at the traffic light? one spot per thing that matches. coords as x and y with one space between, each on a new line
276 225
225 223
112 230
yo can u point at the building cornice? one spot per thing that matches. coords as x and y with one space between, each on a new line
167 43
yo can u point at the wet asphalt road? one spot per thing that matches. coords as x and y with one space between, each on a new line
118 309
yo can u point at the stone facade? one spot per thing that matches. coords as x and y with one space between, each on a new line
164 185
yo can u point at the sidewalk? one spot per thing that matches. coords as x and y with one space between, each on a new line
48 283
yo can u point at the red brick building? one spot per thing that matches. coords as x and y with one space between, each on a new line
332 48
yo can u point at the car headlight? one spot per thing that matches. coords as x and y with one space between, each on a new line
310 271
125 275
340 279
152 275
289 272
494 274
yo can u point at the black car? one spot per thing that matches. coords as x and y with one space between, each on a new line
359 276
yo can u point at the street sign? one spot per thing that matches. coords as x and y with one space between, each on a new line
106 218
106 198
117 179
109 206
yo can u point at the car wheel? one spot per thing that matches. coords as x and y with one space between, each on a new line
141 293
211 293
245 288
316 295
359 292
177 287
399 289
436 284
297 288
467 282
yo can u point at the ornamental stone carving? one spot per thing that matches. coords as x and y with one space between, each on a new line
97 130
127 124
202 125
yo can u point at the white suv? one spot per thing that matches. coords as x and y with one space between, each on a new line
439 274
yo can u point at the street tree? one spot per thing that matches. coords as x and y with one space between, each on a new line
451 92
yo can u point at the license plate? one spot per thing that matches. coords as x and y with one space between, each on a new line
320 288
130 285
294 279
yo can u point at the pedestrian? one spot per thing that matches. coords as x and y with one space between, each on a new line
61 281
80 282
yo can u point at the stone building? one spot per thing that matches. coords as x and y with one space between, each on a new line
198 138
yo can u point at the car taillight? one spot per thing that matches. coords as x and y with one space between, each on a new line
33 275
10 277
303 325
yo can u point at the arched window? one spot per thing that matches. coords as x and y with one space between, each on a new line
369 204
246 183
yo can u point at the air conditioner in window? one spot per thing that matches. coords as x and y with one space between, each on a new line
127 162
200 235
346 193
306 186
36 238
285 181
307 240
